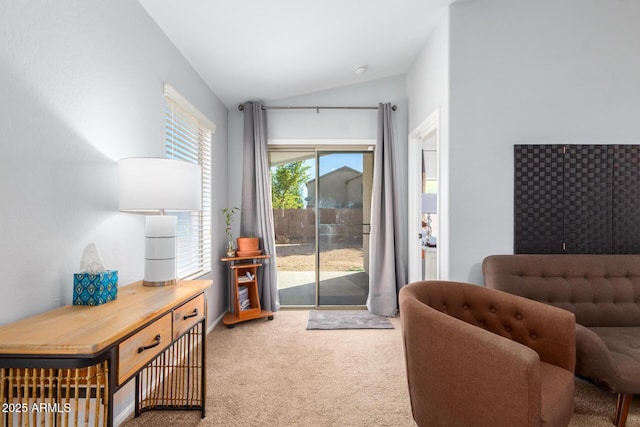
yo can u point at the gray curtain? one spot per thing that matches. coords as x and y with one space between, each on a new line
256 215
387 270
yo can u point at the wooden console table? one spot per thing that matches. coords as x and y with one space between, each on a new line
63 367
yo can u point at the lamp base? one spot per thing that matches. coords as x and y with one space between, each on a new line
160 268
160 283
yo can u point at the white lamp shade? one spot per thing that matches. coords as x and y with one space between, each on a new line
429 203
149 184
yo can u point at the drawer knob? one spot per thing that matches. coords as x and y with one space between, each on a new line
155 344
194 314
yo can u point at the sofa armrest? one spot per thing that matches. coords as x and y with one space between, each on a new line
457 370
593 355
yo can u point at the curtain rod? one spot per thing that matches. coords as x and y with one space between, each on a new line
265 107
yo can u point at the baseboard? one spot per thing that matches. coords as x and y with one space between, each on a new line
215 323
129 409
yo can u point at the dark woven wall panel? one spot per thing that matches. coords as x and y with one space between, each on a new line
626 199
588 190
538 192
587 198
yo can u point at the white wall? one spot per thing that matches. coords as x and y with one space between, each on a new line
530 72
428 91
428 76
328 124
81 86
339 124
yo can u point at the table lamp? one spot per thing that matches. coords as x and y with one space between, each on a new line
429 206
152 186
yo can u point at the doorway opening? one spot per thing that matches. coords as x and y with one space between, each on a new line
424 200
321 200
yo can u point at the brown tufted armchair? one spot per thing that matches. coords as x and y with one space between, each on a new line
482 357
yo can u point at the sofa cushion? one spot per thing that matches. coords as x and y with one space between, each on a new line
623 344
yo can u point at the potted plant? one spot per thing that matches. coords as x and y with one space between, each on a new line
228 218
248 246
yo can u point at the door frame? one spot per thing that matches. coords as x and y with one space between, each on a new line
315 146
429 127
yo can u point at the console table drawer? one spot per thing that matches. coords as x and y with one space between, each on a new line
187 315
137 350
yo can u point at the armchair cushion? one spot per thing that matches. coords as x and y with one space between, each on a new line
557 391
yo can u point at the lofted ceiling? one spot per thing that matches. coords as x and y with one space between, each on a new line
267 50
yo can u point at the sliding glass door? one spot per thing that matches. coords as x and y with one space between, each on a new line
344 184
321 202
294 223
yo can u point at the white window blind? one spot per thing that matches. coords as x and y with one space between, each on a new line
188 138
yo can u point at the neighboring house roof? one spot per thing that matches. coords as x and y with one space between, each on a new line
340 169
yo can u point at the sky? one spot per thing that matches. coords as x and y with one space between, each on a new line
334 161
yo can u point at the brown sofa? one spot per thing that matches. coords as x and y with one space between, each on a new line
603 291
480 357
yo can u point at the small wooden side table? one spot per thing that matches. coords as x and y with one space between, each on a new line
243 277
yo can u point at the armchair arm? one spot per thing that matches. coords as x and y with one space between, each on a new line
457 372
548 330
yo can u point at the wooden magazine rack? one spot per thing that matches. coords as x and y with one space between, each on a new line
244 297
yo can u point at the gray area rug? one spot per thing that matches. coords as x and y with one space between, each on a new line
346 319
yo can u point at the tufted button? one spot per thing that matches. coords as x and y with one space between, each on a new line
492 309
507 328
466 307
533 336
482 323
519 316
444 307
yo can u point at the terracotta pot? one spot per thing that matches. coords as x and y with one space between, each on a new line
248 244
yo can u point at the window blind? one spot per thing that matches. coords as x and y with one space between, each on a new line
188 138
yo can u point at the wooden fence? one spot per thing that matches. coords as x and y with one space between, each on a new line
336 225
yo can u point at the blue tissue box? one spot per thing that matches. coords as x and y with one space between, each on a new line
95 289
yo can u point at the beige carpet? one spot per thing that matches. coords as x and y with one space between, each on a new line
277 373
